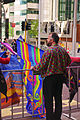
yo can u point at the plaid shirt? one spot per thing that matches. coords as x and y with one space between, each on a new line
54 61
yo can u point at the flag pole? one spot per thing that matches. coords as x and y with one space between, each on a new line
25 29
39 28
1 39
74 29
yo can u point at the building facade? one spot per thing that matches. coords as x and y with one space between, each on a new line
55 15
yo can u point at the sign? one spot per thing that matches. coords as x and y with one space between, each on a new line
12 24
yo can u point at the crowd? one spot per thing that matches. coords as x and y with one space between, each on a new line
13 45
5 60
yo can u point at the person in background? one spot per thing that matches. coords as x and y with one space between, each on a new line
0 46
2 49
78 47
14 45
3 85
5 60
52 67
5 41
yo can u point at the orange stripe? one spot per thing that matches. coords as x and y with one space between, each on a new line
27 53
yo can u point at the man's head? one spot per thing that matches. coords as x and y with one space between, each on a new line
53 38
5 39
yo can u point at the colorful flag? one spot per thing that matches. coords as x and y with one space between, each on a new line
31 56
13 80
74 79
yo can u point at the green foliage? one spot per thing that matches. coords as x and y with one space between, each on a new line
33 33
11 31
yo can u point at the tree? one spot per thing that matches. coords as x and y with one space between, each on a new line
34 29
11 31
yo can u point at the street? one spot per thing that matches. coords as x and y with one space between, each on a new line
17 109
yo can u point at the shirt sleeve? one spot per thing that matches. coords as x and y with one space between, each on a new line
43 62
4 60
68 59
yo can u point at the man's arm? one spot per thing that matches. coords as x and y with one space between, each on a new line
68 59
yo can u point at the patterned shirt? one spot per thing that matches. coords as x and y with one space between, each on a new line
54 61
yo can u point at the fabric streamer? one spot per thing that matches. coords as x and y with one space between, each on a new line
74 84
9 47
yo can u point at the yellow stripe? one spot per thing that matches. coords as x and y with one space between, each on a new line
39 54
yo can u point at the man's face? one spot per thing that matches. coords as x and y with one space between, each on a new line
5 40
49 41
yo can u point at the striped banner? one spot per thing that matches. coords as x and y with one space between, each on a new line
31 56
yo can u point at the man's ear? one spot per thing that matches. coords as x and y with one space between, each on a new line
52 40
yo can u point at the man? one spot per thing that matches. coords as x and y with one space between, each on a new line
52 67
5 40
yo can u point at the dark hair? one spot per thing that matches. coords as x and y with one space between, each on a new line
4 38
55 36
2 47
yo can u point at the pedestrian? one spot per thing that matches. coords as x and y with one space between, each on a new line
78 47
14 45
5 41
5 60
2 49
52 67
3 85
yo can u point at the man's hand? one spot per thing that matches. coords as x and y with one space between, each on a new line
9 54
32 68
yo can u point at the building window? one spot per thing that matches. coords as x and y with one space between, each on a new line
23 12
78 11
66 8
17 23
23 2
17 32
11 4
32 12
11 13
33 1
22 32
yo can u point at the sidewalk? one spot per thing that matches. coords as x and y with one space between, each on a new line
74 116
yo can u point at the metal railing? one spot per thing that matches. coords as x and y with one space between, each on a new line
67 115
23 93
69 77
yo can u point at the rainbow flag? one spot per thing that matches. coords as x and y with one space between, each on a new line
30 56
